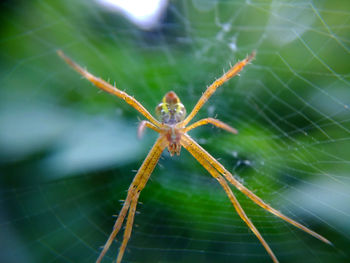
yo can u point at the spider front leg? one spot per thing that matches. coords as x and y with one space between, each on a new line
202 160
267 207
215 122
128 228
130 203
217 83
229 177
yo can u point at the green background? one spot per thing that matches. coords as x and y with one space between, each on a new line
68 152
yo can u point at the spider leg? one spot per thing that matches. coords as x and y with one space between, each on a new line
202 160
187 140
217 83
100 83
142 126
215 122
128 228
117 226
267 207
135 188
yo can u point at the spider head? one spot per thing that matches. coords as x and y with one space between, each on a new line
171 110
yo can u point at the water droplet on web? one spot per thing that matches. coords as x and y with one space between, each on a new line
226 27
232 46
233 43
202 141
211 110
247 162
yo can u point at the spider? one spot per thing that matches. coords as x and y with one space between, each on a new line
172 128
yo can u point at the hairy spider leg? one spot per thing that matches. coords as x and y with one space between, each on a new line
135 188
101 84
202 160
142 126
212 121
229 177
267 207
128 228
217 83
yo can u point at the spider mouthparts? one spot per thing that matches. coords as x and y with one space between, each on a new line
174 148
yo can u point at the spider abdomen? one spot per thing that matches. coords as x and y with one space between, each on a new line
171 110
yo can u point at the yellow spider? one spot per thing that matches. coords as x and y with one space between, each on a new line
172 130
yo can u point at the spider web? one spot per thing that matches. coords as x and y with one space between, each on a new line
69 152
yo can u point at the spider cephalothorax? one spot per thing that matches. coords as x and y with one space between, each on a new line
173 134
170 112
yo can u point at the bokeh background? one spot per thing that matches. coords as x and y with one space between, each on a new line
68 151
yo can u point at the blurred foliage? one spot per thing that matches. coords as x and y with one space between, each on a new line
69 152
